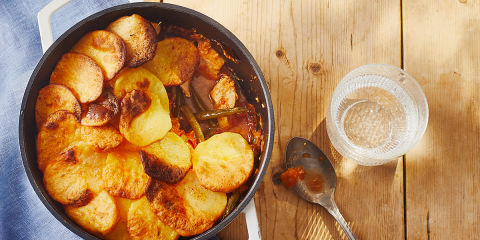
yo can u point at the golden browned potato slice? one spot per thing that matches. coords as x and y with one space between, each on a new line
57 134
120 231
128 146
139 37
123 175
63 130
66 176
144 224
224 96
175 61
223 162
92 163
123 205
167 160
145 113
98 216
133 104
52 98
210 61
80 74
106 48
64 179
103 138
187 206
104 109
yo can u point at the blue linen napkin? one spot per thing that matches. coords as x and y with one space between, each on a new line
22 214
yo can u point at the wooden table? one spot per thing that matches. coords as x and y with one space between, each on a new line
304 49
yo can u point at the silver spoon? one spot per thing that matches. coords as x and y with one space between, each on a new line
320 180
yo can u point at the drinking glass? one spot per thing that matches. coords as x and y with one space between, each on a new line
377 113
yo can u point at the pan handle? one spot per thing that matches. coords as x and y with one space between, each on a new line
252 221
46 38
44 25
43 18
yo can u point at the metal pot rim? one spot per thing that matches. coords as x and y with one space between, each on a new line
268 141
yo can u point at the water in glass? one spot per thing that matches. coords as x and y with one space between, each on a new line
377 113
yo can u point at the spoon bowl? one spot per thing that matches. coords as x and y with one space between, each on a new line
301 152
319 183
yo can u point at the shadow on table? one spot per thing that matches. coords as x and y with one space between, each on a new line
361 192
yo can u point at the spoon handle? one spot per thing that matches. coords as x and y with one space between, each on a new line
333 210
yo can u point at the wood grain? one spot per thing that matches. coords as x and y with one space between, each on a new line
236 230
304 49
442 51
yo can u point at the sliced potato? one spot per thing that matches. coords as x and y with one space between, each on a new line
187 207
104 109
103 138
139 78
81 74
133 104
98 216
223 162
175 61
120 231
143 223
210 61
65 181
106 48
123 205
167 160
57 134
123 175
74 176
128 146
52 98
154 122
224 96
62 130
93 163
139 37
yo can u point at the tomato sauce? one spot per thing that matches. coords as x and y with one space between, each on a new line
245 123
292 176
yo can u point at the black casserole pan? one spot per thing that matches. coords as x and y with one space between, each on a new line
252 81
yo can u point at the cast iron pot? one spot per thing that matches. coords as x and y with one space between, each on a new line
253 84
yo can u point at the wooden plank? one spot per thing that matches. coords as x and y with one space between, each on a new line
236 230
442 51
304 48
